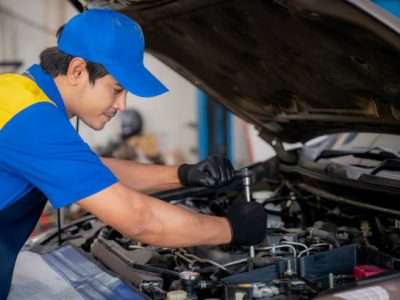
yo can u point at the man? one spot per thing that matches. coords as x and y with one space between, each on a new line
99 59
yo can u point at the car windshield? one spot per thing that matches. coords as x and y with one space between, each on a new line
362 149
353 154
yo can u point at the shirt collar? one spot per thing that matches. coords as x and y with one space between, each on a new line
47 84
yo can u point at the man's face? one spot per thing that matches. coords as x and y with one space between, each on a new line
100 102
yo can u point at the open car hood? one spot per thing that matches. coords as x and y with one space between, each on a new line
296 69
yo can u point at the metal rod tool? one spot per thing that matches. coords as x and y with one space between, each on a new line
246 175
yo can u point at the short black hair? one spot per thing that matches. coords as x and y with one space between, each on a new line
56 62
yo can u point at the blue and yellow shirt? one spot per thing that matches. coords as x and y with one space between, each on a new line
40 153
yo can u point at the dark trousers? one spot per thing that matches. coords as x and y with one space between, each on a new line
17 222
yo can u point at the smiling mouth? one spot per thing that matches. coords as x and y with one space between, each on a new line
110 115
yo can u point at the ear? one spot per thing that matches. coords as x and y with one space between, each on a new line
77 71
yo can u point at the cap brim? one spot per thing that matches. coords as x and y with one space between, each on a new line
137 80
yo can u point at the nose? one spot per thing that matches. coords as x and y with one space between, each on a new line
120 101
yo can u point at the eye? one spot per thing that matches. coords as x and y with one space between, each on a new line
117 90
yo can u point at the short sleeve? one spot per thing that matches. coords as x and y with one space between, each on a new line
40 145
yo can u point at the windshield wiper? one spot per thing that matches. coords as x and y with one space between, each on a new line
387 165
375 153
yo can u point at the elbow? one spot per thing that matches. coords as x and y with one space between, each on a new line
136 225
135 231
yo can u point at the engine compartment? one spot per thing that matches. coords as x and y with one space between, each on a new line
312 246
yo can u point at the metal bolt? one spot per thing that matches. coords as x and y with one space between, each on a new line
246 183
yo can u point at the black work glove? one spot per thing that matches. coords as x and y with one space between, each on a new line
248 222
215 171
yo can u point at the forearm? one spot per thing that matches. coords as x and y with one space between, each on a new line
153 221
173 226
144 178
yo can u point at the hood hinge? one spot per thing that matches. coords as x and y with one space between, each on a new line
283 155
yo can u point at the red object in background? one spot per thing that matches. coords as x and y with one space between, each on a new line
43 221
41 226
365 271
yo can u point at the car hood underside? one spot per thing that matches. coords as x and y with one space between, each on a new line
296 69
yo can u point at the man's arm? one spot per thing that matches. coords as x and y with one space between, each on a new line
153 221
144 178
213 172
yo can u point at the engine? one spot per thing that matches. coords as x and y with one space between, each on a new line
312 246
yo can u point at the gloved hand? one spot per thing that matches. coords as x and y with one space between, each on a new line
215 171
248 222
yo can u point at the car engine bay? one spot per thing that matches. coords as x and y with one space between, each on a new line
313 245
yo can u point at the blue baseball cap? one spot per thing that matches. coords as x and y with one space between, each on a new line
116 41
